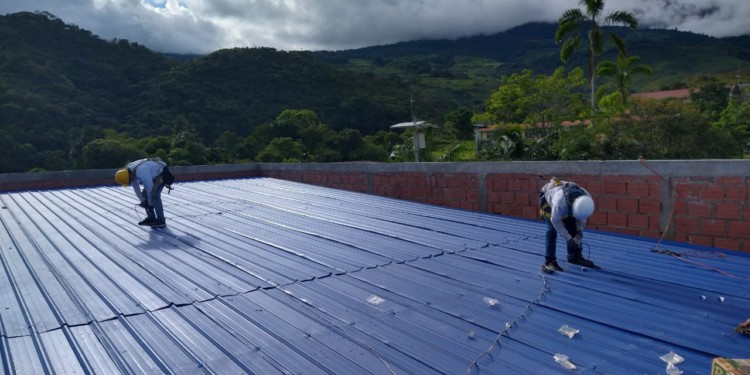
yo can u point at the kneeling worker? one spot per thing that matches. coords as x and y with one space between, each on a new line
153 174
565 207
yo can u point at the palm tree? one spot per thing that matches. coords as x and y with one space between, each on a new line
569 33
623 69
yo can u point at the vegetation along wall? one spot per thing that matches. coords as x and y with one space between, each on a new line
701 202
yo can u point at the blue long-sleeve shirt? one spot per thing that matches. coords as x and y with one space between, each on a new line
144 172
554 193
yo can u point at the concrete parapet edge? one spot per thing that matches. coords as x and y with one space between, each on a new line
667 168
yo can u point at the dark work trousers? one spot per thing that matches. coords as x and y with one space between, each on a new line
570 226
155 209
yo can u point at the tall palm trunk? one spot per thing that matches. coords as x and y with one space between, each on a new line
592 79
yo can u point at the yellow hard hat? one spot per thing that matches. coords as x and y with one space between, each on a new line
123 177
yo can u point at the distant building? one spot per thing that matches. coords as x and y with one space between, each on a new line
664 94
737 91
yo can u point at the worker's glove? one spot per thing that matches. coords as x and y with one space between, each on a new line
143 204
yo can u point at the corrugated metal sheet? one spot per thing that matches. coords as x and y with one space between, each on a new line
264 276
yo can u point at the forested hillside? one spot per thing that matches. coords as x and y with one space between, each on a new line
237 90
58 83
69 99
62 87
465 70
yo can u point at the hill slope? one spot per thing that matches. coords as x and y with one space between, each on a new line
61 86
238 89
467 70
56 80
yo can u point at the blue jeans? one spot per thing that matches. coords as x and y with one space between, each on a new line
155 208
551 237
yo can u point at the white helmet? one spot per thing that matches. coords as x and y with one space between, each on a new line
583 207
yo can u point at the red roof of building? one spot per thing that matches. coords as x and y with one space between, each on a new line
666 94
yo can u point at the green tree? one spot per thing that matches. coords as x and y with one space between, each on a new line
736 119
623 69
80 137
536 99
226 145
458 124
179 156
348 141
570 26
108 153
297 118
187 149
316 136
286 125
711 96
386 139
247 149
505 143
156 145
370 151
662 130
281 150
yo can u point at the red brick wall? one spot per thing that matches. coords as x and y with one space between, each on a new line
712 212
707 211
457 190
514 194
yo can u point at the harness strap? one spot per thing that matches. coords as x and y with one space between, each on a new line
571 191
158 160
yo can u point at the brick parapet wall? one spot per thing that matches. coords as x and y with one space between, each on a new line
701 202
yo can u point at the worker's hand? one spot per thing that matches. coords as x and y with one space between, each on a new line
578 239
143 204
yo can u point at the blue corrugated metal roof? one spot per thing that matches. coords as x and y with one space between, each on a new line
267 276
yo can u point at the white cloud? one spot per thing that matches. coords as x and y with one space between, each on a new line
202 26
715 18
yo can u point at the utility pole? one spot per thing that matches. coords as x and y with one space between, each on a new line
416 131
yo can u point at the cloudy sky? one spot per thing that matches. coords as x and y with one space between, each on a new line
204 26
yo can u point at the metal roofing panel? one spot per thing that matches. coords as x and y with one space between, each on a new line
268 276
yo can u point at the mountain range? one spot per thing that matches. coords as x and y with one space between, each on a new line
61 86
679 59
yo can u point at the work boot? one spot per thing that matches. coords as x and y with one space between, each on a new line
581 261
551 266
158 223
146 221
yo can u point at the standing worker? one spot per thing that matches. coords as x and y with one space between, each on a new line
154 175
565 207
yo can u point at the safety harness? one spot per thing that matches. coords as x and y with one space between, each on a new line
166 176
571 191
